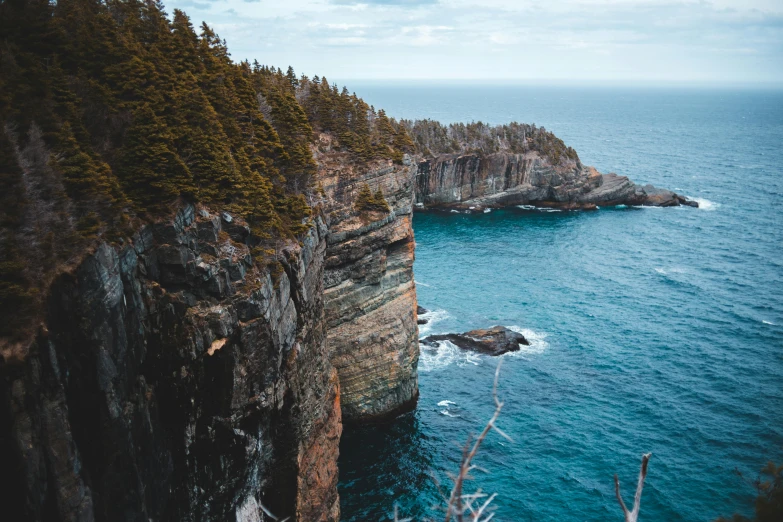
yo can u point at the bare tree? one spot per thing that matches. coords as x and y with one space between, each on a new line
633 515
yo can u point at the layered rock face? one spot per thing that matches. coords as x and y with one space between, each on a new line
176 380
505 179
370 295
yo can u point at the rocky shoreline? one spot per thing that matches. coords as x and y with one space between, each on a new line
175 379
472 182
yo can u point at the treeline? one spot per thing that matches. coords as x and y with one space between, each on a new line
432 138
360 129
113 111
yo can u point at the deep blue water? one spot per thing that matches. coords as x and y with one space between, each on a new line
653 329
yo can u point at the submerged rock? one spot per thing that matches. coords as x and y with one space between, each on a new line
491 341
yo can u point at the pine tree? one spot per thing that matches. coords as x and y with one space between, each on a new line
150 170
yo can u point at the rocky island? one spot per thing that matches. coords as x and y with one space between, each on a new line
490 341
206 267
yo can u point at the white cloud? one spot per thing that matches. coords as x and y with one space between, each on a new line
675 40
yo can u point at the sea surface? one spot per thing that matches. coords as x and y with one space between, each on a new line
652 330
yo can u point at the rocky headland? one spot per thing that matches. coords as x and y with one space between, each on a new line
478 181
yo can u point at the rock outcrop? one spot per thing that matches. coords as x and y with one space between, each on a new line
370 295
505 179
490 341
174 379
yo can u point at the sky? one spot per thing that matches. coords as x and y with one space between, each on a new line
659 41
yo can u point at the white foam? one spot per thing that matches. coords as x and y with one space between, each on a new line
419 283
472 358
672 270
447 414
769 323
537 340
439 356
705 204
487 210
446 403
540 209
432 317
444 354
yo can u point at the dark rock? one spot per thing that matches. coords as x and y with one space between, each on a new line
419 312
208 230
146 396
491 341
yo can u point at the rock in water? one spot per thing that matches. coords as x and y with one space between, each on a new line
491 341
419 312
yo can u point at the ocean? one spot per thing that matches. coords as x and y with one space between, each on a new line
652 330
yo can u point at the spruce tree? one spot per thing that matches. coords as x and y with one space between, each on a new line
151 172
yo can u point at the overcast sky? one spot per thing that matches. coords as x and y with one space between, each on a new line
720 41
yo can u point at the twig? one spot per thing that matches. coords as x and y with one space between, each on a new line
633 515
454 507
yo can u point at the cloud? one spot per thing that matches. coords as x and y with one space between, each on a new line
526 39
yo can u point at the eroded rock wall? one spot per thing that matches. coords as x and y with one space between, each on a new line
176 380
370 294
506 179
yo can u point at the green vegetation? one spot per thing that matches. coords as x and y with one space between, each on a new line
366 201
112 112
432 138
769 502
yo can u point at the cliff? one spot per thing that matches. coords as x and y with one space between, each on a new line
503 179
175 379
370 295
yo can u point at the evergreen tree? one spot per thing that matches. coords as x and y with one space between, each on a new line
149 168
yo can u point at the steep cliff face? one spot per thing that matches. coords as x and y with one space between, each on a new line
370 295
506 179
176 380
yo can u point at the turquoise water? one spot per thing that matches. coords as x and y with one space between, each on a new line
652 329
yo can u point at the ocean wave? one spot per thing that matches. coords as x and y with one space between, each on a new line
419 283
432 317
437 357
446 403
769 323
705 204
540 209
672 270
447 414
538 343
487 210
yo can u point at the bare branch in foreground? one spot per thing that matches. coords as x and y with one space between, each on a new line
461 507
633 515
